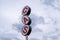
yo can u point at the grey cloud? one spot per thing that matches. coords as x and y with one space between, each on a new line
48 2
6 36
36 20
54 3
34 39
37 30
41 20
53 37
17 27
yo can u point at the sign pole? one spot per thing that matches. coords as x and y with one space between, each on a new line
27 37
26 30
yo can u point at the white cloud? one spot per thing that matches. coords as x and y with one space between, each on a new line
42 30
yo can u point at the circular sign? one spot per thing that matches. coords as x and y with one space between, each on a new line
26 20
26 30
26 10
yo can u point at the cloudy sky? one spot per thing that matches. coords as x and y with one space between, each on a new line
44 15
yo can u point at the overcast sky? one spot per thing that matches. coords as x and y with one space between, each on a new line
45 16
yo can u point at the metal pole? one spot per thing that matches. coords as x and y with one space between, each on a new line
27 37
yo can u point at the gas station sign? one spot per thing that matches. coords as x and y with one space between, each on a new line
26 20
26 30
26 10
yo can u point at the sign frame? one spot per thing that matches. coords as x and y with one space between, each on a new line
27 11
28 22
29 30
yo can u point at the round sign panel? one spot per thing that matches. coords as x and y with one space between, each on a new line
26 30
26 20
26 10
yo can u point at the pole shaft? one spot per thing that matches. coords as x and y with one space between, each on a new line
27 37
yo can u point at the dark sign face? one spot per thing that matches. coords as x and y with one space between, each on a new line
26 30
26 20
26 10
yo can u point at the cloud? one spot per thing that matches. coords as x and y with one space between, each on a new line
48 2
44 15
7 36
33 39
17 27
54 3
